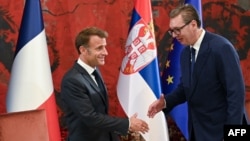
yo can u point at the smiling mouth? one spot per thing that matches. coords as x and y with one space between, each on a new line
102 59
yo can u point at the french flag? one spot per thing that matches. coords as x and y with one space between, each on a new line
31 85
139 80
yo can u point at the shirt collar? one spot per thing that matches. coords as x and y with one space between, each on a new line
197 44
88 68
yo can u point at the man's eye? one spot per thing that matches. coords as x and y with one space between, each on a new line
99 48
177 29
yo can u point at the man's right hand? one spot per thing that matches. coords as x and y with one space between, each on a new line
138 125
156 106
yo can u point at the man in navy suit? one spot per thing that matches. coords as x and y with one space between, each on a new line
84 97
214 89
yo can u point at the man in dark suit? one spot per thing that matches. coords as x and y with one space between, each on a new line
214 88
84 96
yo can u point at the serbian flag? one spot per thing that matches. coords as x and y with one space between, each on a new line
171 76
139 80
31 84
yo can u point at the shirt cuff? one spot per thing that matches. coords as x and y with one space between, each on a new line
165 104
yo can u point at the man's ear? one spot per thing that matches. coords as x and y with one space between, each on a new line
82 49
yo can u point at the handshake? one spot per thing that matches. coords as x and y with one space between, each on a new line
138 125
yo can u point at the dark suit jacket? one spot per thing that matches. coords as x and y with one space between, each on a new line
216 96
86 109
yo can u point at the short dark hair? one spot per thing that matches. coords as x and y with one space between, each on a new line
188 13
83 37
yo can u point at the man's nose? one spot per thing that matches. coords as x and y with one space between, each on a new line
174 35
105 51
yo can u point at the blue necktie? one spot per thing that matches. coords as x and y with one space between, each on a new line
100 84
192 50
192 59
99 81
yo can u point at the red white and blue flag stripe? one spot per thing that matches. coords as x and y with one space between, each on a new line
31 85
139 79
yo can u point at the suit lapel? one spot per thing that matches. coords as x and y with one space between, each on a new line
200 63
87 77
103 85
